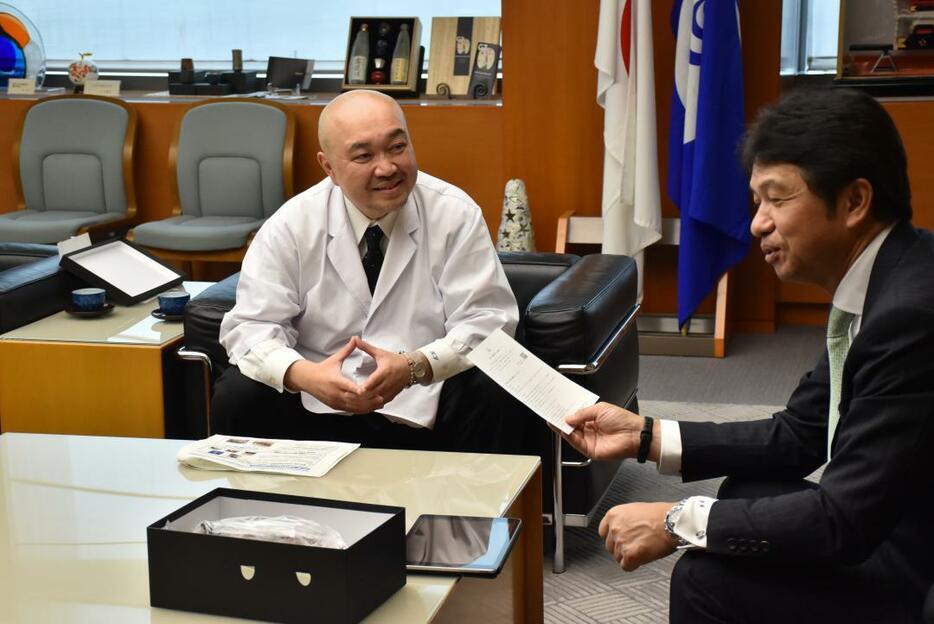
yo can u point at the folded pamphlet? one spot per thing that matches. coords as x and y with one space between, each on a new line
291 457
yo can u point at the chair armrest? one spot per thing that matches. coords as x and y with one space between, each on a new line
579 317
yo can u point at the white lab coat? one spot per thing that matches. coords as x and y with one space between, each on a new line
303 284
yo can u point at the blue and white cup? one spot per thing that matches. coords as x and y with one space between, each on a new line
88 299
172 303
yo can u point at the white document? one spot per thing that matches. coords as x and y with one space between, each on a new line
21 86
74 244
109 88
544 390
291 457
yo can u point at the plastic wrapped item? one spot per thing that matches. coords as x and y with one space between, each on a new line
286 529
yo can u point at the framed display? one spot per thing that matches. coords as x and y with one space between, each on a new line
887 47
288 73
454 42
384 53
128 273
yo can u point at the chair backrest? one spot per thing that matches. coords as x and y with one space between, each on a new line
582 230
75 154
233 158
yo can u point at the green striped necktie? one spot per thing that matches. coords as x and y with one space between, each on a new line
838 343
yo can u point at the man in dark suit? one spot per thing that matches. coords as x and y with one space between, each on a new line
829 178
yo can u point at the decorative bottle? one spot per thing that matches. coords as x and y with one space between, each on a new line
399 72
378 75
359 57
381 54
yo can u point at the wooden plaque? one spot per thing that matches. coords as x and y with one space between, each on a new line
453 49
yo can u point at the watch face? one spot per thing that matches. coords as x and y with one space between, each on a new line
420 369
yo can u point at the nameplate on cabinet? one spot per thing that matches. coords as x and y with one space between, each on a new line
109 88
21 86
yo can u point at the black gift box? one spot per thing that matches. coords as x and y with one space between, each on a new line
241 81
276 581
186 76
128 273
217 88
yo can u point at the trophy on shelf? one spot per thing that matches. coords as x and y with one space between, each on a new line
81 71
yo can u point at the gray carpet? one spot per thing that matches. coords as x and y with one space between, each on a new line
760 369
753 381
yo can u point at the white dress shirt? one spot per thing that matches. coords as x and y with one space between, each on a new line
849 297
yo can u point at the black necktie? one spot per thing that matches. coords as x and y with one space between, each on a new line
373 258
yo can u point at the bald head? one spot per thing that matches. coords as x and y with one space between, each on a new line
349 108
366 151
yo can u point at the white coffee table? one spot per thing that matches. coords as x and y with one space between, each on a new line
74 512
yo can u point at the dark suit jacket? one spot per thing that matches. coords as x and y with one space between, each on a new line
875 502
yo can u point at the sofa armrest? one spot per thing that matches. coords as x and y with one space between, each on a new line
203 316
574 319
29 292
15 254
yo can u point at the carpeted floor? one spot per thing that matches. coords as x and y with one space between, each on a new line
760 369
593 589
752 382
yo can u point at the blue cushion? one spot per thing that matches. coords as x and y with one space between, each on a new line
73 182
47 226
230 186
187 233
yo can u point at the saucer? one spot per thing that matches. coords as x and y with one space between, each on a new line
108 307
162 316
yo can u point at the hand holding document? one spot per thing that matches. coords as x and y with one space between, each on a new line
541 388
299 458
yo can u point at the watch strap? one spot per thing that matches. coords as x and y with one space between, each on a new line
645 439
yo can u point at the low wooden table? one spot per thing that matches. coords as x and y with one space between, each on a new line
93 376
74 512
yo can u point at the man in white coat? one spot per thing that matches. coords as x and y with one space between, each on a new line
361 295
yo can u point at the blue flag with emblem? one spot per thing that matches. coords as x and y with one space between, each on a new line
705 179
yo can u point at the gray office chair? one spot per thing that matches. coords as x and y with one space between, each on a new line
74 160
232 164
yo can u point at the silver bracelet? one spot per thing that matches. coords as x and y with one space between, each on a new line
411 361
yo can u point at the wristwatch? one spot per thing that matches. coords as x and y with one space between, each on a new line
418 368
671 518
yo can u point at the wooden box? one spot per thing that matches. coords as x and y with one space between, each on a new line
453 50
416 54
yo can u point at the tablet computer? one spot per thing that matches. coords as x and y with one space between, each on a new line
460 544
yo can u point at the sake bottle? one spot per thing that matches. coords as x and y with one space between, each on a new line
399 72
359 57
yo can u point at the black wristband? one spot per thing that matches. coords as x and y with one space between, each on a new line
645 439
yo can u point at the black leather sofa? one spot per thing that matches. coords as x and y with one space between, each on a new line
577 314
32 285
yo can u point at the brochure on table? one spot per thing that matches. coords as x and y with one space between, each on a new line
303 458
127 272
